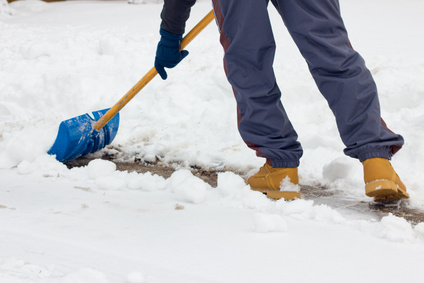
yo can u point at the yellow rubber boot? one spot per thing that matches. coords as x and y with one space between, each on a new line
381 181
268 180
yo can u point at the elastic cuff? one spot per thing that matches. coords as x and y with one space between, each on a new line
376 153
170 36
279 163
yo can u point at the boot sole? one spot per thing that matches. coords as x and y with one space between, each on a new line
286 195
385 190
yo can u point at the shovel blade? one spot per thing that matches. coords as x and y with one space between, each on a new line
77 137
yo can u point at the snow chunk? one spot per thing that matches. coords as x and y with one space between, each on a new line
237 194
25 167
287 186
45 164
105 176
145 182
100 168
269 223
340 168
397 229
21 146
188 187
230 184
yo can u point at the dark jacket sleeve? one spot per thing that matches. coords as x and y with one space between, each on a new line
175 14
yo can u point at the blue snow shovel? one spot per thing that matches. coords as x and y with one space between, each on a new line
83 134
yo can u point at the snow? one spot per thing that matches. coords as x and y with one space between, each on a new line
269 223
96 224
5 9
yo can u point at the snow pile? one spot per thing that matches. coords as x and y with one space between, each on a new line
231 192
186 188
178 218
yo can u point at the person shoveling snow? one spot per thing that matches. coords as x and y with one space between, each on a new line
338 70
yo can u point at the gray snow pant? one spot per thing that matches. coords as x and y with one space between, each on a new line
318 30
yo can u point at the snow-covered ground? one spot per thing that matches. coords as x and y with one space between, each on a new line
4 8
95 224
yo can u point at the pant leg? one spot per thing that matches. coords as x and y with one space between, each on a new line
247 38
341 76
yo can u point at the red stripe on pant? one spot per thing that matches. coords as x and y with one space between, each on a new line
225 42
393 148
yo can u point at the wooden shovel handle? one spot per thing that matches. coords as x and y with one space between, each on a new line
149 76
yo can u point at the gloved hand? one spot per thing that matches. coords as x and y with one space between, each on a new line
168 53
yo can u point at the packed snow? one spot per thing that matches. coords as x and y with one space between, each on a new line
95 224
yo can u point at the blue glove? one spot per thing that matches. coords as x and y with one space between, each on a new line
168 53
